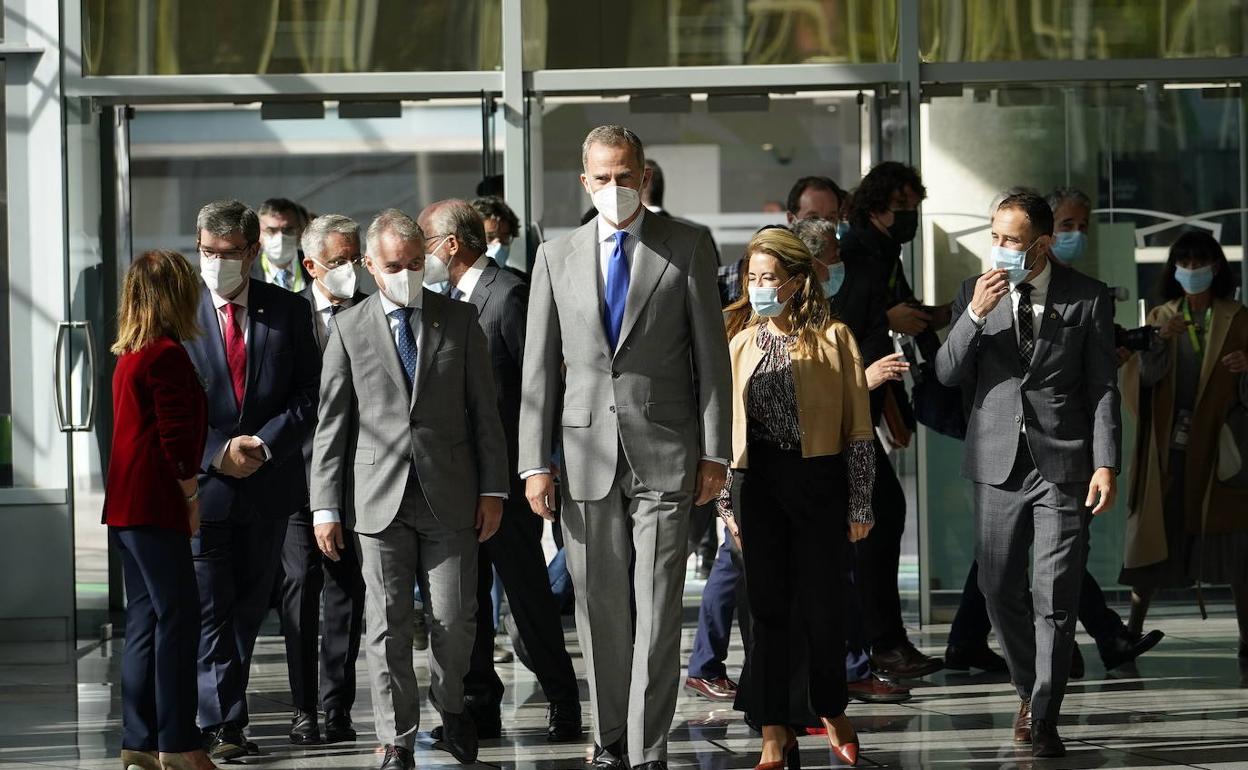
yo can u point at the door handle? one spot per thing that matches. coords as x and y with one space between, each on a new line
64 418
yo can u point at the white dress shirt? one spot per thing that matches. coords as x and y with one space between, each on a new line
468 281
323 308
606 247
240 318
330 515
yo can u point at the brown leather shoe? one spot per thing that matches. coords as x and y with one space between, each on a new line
712 689
1022 723
876 690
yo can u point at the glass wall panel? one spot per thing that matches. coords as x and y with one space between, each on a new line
991 30
1155 160
573 34
154 37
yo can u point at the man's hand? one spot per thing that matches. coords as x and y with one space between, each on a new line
329 540
711 478
539 490
243 456
908 319
990 288
859 531
887 368
1104 486
1174 327
489 516
192 515
1237 362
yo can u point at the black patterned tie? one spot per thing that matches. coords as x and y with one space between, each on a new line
1026 326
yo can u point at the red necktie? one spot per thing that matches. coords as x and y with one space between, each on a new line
235 353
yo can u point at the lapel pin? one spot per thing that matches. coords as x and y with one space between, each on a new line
259 310
435 324
1053 316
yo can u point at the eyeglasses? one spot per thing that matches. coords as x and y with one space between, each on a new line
333 264
230 254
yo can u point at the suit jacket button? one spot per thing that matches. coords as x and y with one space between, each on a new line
611 409
615 375
1017 418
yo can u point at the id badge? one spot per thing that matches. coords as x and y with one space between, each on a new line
1182 429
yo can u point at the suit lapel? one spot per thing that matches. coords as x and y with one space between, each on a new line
481 293
257 337
431 327
651 257
377 328
1219 325
1054 311
584 283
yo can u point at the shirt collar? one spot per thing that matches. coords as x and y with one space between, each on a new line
320 301
468 281
389 307
220 302
607 231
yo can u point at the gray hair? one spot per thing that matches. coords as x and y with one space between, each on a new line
319 229
1010 192
1068 194
816 233
613 136
392 221
224 218
458 217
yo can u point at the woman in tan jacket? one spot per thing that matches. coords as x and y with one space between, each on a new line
1184 525
802 441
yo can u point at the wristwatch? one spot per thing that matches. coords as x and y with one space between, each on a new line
193 496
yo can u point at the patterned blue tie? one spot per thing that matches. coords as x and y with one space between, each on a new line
283 279
616 290
406 343
455 293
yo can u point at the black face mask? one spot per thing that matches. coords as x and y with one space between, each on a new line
904 227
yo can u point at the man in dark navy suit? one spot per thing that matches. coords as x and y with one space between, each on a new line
258 359
331 250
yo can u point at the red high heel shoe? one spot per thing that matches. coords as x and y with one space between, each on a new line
792 757
846 752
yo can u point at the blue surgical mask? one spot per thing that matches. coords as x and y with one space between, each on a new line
498 252
766 300
1195 281
1014 262
841 229
836 278
1070 246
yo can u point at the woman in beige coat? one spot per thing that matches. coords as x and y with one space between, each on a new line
1184 526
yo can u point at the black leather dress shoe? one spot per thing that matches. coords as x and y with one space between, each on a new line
905 662
304 730
1124 648
980 657
397 758
1045 742
609 757
563 722
338 727
459 736
225 742
486 716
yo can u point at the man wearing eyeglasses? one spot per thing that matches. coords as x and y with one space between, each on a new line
331 255
281 263
258 360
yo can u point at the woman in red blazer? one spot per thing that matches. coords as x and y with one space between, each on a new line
151 509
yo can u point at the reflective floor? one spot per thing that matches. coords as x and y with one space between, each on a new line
1185 704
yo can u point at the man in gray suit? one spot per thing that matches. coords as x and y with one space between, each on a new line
410 455
628 304
1034 341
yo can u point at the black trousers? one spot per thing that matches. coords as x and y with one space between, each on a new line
516 552
309 579
878 557
793 531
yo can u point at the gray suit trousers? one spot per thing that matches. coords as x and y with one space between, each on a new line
633 677
1037 632
416 546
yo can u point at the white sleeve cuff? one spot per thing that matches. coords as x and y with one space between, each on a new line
499 495
975 319
325 516
534 472
268 455
719 460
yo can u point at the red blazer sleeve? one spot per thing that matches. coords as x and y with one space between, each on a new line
178 403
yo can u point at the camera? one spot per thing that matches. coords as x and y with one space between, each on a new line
1138 340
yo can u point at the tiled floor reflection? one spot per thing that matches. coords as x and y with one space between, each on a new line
1184 705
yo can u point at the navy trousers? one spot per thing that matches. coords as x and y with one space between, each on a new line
235 564
158 695
723 594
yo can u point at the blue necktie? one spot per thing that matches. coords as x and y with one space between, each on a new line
283 278
406 343
616 290
455 293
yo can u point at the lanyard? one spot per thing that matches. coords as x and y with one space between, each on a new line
1197 340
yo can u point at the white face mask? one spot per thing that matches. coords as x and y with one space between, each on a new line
221 276
339 281
404 287
617 203
280 249
498 252
436 271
